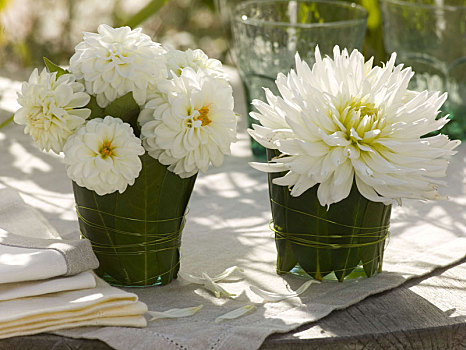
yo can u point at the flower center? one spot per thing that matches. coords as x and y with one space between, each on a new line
106 150
41 116
203 118
365 108
361 121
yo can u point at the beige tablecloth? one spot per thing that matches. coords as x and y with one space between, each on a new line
228 225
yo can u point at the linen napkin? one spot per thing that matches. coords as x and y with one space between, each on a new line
30 249
45 281
16 290
100 306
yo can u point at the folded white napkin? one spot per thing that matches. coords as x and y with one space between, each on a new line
30 249
100 306
9 291
45 281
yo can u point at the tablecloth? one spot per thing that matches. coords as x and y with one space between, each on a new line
228 225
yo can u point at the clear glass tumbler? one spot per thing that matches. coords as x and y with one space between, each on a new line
268 33
430 36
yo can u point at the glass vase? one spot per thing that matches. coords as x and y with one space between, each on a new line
430 37
268 33
346 240
136 235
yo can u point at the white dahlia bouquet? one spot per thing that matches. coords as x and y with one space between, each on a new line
136 122
345 140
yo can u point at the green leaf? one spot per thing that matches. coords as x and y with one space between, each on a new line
125 108
96 110
285 256
142 230
349 212
52 67
147 11
7 121
97 224
316 261
377 215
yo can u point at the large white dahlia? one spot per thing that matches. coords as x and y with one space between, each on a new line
103 155
345 121
116 61
52 108
190 124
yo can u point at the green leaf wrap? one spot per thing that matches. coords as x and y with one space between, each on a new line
136 235
350 233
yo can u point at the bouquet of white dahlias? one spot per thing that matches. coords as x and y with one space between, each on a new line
132 117
345 140
123 95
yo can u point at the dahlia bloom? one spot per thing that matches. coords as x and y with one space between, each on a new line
196 59
345 121
190 124
103 155
177 60
52 108
116 61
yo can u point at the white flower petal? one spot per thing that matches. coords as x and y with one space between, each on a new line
275 297
269 167
302 185
174 313
244 310
288 180
201 280
215 288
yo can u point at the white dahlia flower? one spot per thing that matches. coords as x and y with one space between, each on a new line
190 124
177 60
195 59
117 61
344 121
51 108
103 155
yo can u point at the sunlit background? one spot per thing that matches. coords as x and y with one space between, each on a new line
31 29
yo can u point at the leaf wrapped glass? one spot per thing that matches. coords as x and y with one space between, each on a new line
346 240
345 140
136 235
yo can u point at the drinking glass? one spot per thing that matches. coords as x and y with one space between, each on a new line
430 36
268 33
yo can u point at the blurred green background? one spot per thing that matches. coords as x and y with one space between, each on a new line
31 29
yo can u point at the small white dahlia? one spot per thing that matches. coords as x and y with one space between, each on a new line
196 59
116 61
103 155
52 108
177 60
345 121
190 124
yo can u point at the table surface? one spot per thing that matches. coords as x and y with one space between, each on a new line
424 313
420 314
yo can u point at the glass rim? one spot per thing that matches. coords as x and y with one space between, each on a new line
237 17
418 4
